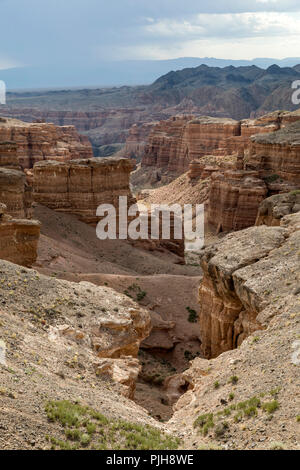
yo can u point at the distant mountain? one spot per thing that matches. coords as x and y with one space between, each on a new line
107 114
117 73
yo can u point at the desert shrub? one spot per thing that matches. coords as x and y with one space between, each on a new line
90 429
234 380
271 406
204 423
193 316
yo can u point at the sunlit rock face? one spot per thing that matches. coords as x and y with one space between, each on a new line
243 274
28 143
18 239
80 186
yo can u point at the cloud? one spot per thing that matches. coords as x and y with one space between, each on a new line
82 33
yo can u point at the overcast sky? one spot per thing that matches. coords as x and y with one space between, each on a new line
40 32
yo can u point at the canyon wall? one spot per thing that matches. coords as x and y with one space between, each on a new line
18 239
31 143
234 199
270 165
243 274
174 143
80 186
273 209
15 193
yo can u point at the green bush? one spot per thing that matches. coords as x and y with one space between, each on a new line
90 429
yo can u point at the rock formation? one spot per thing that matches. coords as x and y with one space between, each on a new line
124 371
35 142
18 239
274 208
174 143
137 140
243 274
271 165
277 154
235 196
80 186
15 193
177 142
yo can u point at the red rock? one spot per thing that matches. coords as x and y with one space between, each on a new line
40 141
80 186
15 193
18 239
234 199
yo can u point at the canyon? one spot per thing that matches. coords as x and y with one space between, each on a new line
129 329
106 115
35 142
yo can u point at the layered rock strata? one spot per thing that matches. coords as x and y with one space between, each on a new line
30 143
15 193
234 199
80 186
173 144
274 208
277 154
243 274
18 239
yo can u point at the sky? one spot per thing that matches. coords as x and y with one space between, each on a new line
68 32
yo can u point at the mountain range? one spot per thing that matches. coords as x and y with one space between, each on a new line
116 73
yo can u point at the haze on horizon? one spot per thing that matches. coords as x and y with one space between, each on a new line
70 37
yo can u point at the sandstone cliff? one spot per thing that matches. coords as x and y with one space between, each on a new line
18 239
15 193
173 144
246 398
243 274
274 208
234 198
277 155
35 142
80 186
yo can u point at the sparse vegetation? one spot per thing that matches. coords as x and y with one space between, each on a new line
234 380
135 292
193 316
271 178
277 446
87 428
271 406
221 429
204 423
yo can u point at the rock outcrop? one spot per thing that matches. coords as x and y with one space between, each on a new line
174 143
277 154
244 274
123 371
8 155
18 239
270 165
105 328
234 199
137 140
274 208
35 142
80 186
15 193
